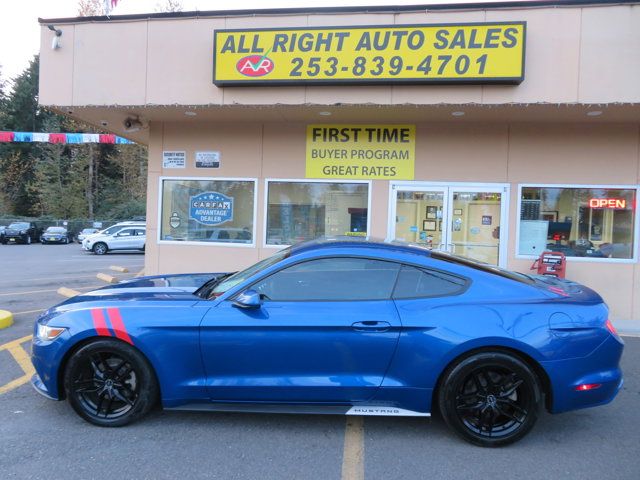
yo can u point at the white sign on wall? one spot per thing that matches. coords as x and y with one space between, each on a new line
207 159
171 159
533 237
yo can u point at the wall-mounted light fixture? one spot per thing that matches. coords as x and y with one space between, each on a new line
55 43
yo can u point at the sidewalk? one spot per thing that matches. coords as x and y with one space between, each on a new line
627 327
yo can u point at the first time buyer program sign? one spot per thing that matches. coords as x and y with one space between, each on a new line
361 151
443 53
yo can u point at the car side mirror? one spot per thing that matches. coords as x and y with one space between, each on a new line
248 299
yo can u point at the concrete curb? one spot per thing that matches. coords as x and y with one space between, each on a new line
68 292
107 278
6 319
117 268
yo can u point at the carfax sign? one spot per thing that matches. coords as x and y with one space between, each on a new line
211 208
442 53
361 151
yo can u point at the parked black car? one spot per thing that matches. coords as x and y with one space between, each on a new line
56 235
22 232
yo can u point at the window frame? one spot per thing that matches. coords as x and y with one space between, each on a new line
636 228
468 281
369 184
253 243
463 289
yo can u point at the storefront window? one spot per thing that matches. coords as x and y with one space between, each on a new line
217 211
298 211
579 222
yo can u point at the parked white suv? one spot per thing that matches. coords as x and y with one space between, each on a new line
132 237
115 228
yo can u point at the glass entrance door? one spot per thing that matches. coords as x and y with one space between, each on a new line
420 216
464 220
475 224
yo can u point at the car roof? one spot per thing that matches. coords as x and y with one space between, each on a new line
358 242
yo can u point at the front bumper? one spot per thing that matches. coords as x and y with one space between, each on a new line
40 387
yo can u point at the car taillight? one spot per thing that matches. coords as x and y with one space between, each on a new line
611 328
588 386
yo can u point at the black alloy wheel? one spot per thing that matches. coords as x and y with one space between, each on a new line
109 383
490 399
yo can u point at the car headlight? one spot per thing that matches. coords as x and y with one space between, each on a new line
22 232
47 333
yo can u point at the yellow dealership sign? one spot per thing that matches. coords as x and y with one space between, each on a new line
361 151
442 53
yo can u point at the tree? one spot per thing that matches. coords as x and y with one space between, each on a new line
91 8
169 6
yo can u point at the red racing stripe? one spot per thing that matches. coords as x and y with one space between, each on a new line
118 325
99 322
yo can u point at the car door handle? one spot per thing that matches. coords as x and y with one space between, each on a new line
371 326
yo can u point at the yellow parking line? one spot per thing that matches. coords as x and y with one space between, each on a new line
22 358
18 382
29 311
42 291
353 451
14 343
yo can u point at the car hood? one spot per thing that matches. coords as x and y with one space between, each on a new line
155 294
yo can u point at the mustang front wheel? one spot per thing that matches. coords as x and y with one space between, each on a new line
490 399
109 383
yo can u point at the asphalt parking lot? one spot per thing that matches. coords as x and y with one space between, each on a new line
40 438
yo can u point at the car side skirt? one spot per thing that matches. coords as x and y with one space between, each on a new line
361 410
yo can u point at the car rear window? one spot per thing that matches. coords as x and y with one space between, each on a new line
422 283
484 267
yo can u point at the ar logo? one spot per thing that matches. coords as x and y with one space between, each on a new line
255 66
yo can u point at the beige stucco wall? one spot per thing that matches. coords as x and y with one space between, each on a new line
573 55
585 56
478 153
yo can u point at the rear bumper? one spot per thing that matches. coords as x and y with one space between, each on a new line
601 367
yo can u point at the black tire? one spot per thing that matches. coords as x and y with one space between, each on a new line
110 384
100 248
490 399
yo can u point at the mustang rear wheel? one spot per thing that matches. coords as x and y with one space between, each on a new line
490 399
109 383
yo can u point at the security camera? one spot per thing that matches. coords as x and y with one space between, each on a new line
132 124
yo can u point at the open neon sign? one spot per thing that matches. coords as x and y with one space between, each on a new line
616 203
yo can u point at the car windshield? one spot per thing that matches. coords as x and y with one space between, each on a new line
485 267
55 230
235 279
19 226
89 230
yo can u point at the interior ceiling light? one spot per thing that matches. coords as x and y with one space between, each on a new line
594 113
324 114
190 114
457 114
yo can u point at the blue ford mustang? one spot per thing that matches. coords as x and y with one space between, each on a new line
358 327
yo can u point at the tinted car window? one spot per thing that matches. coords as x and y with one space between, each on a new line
331 279
416 283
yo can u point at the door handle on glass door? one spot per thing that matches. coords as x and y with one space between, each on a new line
371 326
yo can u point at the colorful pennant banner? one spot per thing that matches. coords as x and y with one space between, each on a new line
28 137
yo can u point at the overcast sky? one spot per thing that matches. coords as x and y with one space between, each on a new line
20 33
